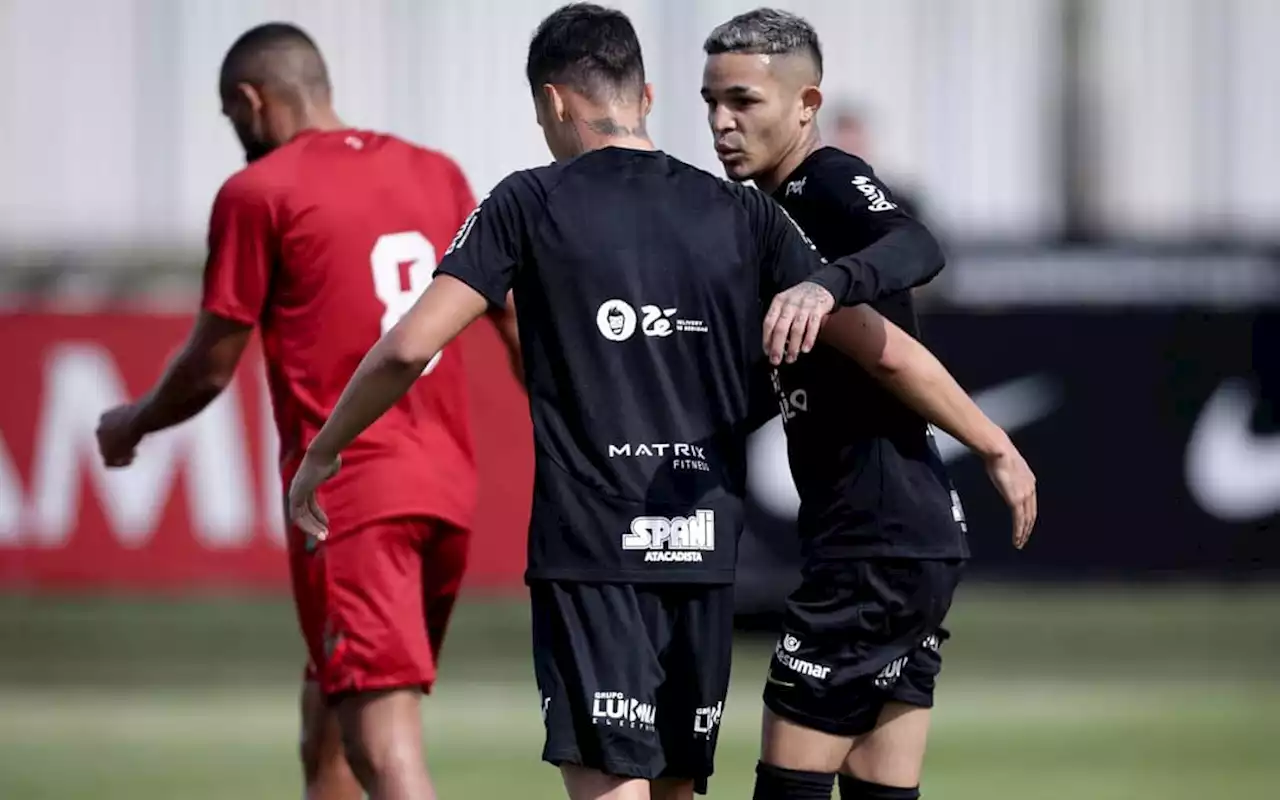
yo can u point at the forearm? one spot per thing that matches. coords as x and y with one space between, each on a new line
905 257
925 386
377 384
188 385
912 373
389 369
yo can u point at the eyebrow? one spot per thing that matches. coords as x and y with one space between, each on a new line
737 90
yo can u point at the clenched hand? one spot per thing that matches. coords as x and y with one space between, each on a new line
118 436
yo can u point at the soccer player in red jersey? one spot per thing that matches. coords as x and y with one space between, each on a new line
323 241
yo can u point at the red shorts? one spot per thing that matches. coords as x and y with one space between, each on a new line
374 603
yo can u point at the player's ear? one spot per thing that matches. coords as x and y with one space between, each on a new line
646 100
555 103
810 102
251 95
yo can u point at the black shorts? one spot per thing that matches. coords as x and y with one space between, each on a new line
857 635
632 677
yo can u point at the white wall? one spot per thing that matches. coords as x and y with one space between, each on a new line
111 133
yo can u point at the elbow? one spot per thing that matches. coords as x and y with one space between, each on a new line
214 378
931 251
218 382
897 356
891 365
398 351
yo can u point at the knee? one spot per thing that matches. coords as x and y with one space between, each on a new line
371 756
320 749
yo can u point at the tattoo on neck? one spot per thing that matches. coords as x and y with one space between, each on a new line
610 127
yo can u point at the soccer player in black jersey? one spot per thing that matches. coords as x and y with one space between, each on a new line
641 284
883 534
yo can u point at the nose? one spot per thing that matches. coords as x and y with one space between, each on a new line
721 120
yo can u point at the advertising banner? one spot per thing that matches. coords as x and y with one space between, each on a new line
202 506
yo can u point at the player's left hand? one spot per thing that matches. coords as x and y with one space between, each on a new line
304 509
795 317
118 436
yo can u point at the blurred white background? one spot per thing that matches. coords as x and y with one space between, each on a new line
1019 119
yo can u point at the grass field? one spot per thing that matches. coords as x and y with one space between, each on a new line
1099 693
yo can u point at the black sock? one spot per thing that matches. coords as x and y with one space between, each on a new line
776 783
853 789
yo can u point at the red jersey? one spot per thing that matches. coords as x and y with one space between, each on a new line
325 243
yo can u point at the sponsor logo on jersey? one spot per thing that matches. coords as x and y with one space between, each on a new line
877 200
616 710
682 455
787 645
673 539
789 403
618 320
796 187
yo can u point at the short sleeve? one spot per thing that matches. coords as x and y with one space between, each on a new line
241 253
492 242
787 257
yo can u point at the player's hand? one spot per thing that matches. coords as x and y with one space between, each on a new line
1016 483
304 509
118 436
795 317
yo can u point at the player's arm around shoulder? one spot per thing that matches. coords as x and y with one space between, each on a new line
899 253
914 375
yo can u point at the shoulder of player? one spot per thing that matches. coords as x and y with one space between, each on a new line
527 187
259 183
833 171
428 158
751 201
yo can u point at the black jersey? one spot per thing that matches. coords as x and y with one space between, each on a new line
640 284
870 479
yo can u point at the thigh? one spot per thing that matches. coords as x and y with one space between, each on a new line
696 664
892 753
595 652
375 628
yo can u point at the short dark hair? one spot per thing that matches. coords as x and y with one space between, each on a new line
766 31
592 49
275 52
